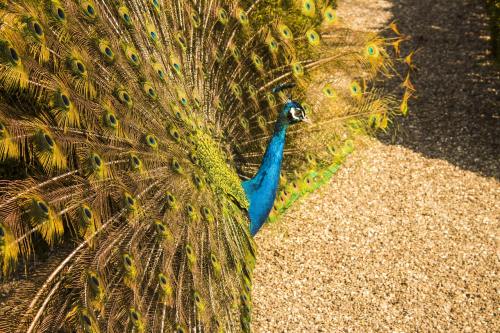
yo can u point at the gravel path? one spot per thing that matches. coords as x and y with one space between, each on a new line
406 237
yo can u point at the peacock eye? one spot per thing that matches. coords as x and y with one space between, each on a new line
49 140
38 29
87 213
65 100
61 14
43 206
13 54
95 280
80 67
86 319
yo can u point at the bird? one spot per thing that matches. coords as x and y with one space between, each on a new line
144 143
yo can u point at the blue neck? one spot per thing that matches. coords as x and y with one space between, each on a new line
261 189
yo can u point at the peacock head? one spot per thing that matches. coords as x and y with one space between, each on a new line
293 113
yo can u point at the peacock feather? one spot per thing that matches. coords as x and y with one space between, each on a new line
147 141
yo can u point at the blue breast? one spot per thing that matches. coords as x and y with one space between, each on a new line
261 189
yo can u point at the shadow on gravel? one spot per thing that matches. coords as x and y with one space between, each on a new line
457 114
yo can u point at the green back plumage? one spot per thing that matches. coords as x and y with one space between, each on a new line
135 120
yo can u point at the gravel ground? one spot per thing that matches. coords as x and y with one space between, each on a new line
457 114
406 237
396 243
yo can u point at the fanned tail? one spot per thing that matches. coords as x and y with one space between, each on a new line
134 121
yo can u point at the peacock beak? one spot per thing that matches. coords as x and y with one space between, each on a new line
307 120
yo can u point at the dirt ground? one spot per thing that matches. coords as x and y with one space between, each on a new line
406 237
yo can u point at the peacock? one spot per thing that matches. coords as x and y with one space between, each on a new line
143 143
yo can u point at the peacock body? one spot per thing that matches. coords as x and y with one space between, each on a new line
128 127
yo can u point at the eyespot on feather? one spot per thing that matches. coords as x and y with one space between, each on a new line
297 69
155 5
110 120
195 19
136 319
171 201
308 8
130 203
132 55
77 67
148 89
124 97
329 16
151 141
190 255
313 37
34 28
285 32
124 14
257 61
57 12
198 182
242 17
106 51
207 214
355 88
89 10
135 162
8 53
328 91
86 215
222 16
199 302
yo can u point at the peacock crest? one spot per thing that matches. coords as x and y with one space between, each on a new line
127 128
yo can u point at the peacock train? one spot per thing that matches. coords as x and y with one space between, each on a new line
143 143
